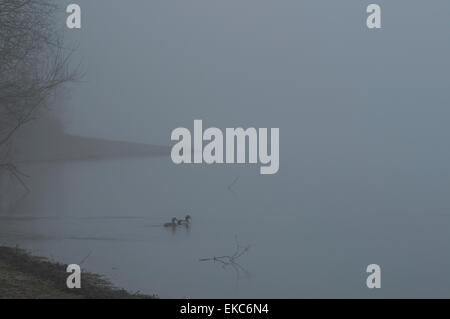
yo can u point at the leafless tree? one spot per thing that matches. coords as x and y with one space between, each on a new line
33 65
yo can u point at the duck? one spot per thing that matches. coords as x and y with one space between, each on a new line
185 221
171 224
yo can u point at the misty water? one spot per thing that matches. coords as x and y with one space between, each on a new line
311 233
364 155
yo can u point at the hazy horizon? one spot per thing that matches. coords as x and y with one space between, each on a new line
364 156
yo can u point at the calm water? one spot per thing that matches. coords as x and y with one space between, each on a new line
311 232
364 150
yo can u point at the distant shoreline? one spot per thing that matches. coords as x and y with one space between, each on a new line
77 148
23 276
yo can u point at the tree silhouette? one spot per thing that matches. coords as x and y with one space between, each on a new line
33 65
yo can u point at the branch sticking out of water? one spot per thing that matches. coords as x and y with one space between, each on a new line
228 259
230 187
231 260
233 183
85 258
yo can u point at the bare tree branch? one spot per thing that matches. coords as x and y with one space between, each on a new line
33 65
231 260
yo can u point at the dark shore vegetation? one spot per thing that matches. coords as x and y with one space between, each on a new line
23 276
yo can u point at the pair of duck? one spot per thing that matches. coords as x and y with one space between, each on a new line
175 222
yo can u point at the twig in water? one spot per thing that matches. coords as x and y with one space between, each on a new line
230 187
231 260
85 258
234 182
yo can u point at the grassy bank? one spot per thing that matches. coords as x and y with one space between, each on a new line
25 276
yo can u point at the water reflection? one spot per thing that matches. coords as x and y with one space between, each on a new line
306 240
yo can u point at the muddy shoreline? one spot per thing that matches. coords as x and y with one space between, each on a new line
24 276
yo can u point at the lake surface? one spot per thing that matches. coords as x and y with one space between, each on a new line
364 150
311 231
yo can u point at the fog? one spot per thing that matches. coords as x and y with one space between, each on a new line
364 150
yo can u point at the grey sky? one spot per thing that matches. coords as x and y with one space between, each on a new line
310 67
